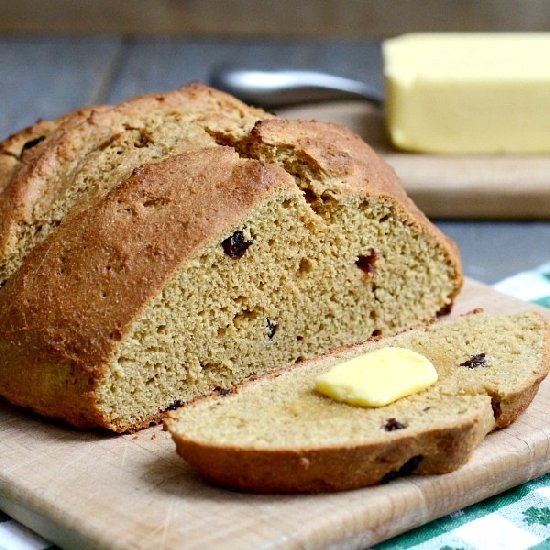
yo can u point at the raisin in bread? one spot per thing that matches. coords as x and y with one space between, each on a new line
278 434
175 245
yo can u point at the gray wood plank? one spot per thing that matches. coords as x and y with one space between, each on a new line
492 251
43 78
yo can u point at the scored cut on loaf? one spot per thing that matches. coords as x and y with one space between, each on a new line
83 155
14 150
177 244
279 435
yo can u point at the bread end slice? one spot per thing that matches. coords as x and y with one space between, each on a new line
339 468
277 435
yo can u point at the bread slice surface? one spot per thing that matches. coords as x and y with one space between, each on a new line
278 434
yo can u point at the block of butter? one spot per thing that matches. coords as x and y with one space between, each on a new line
468 93
378 378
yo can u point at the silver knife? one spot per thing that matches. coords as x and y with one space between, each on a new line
281 88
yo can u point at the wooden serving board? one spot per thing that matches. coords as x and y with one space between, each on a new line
463 186
89 490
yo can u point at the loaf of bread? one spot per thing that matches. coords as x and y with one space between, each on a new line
174 245
278 435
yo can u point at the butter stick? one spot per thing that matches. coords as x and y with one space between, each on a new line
468 93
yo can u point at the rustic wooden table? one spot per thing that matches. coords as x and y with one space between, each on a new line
44 77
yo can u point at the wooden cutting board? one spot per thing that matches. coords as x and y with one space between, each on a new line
87 490
465 186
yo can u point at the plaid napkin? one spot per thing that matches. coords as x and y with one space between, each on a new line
518 519
532 286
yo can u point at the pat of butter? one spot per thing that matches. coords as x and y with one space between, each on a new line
469 93
378 377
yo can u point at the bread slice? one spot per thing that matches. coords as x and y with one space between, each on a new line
278 435
177 244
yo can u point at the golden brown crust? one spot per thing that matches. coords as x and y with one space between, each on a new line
336 469
507 408
75 129
79 132
24 149
19 145
25 180
111 279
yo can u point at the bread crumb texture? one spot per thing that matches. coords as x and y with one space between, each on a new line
252 438
178 244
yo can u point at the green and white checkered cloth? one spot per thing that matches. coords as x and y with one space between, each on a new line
518 519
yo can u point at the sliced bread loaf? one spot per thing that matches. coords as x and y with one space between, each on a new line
175 245
277 434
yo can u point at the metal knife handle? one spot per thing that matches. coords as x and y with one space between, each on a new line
281 88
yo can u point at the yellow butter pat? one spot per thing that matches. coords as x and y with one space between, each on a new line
468 92
378 378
